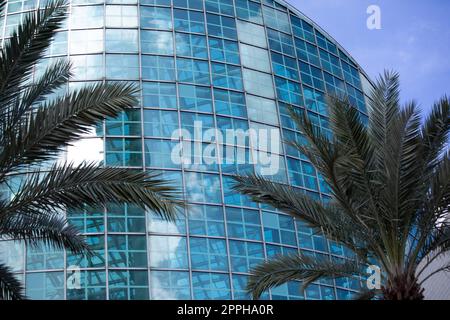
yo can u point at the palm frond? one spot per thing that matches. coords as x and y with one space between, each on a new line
10 286
282 269
435 132
351 133
61 121
55 76
326 218
2 7
68 186
390 187
319 150
355 170
434 174
405 150
36 227
437 244
26 47
383 108
325 155
440 188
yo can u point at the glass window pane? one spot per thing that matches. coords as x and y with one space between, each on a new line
255 58
121 40
243 223
45 286
208 254
230 103
193 71
221 26
93 286
191 45
226 76
170 285
248 10
158 153
156 18
159 95
189 21
195 98
211 286
121 66
158 68
127 251
168 252
87 67
202 187
121 16
262 110
86 41
224 50
158 123
258 83
86 17
206 220
156 42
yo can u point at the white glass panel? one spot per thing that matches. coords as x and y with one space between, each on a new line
265 138
262 110
12 254
88 150
251 33
86 41
255 58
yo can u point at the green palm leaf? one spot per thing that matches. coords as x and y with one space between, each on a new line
324 218
25 48
36 227
68 186
282 269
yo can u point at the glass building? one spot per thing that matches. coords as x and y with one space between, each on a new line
229 64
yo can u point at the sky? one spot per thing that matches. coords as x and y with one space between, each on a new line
414 40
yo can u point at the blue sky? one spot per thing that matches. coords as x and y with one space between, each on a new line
414 40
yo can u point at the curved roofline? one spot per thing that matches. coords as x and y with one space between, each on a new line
317 26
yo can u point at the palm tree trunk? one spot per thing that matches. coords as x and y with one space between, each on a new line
403 287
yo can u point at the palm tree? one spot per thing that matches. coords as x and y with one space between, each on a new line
390 187
35 129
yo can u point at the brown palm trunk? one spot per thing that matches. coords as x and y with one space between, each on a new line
402 287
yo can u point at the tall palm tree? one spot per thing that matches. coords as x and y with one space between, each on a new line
390 187
35 129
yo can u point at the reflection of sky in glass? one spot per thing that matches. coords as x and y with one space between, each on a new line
12 254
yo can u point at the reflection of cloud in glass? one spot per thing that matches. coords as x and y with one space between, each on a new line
193 184
158 225
170 285
167 251
159 293
86 150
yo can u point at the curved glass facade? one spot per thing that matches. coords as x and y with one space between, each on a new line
226 64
